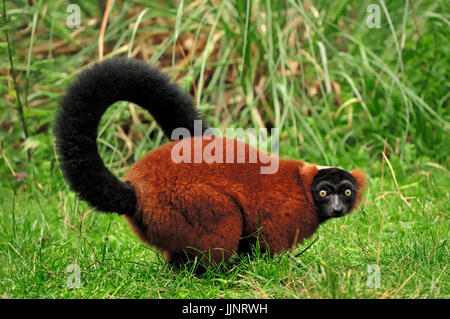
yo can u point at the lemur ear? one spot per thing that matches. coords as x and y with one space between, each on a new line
361 182
307 174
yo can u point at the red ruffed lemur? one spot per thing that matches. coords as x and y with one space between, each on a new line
207 209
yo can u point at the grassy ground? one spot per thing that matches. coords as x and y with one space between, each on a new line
340 92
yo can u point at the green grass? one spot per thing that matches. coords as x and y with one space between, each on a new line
259 66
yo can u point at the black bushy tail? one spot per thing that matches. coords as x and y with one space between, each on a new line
87 99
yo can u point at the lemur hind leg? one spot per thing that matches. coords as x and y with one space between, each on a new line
205 227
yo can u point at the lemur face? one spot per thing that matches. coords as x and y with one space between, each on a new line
334 192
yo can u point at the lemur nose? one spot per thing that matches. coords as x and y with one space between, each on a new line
336 205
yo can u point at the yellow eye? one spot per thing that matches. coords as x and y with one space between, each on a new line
348 192
323 193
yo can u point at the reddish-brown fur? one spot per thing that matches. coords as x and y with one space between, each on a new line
213 210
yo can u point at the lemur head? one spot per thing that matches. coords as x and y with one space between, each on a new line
334 192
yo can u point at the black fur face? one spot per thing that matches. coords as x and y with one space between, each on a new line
334 192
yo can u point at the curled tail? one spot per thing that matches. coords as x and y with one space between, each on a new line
87 99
